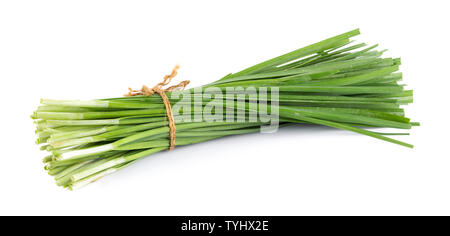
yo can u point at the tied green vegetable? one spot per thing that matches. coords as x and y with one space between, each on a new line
332 83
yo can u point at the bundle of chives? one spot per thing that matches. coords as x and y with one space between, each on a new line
331 83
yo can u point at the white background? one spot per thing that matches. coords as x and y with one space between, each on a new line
96 49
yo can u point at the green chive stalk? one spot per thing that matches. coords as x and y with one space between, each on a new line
331 83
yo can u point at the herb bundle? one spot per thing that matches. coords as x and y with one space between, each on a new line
334 83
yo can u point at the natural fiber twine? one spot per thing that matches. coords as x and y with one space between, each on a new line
146 91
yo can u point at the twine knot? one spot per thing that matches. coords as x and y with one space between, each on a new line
158 88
